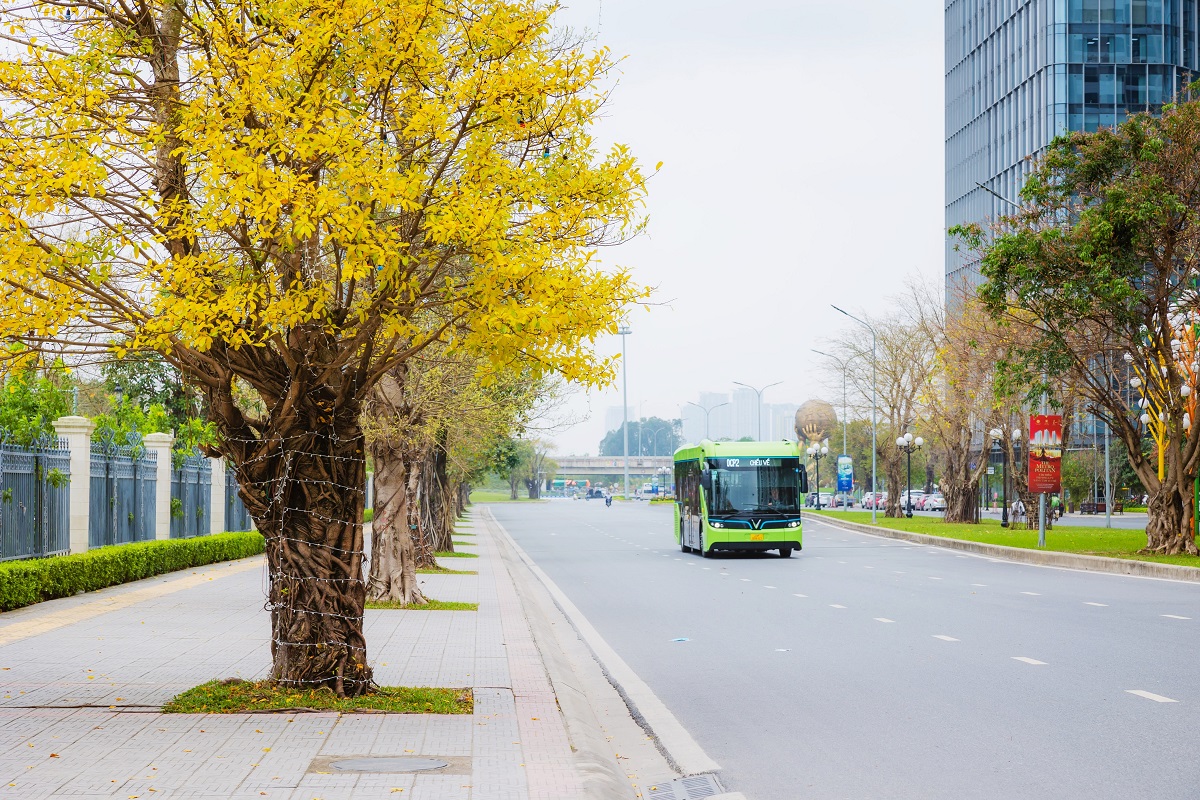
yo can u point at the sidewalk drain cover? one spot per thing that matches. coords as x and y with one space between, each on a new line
388 764
693 787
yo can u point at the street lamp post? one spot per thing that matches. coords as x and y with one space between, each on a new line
624 331
907 445
874 376
758 392
817 452
998 439
706 413
843 365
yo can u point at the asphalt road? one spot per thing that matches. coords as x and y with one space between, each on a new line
870 668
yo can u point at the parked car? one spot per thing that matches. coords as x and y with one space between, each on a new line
916 495
826 500
874 499
843 500
934 502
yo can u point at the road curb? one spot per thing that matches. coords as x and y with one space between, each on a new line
1043 558
673 741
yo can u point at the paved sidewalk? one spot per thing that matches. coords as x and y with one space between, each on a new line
81 680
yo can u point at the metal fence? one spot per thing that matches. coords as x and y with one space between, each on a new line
191 496
122 502
35 499
236 516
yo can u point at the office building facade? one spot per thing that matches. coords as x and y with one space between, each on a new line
1020 72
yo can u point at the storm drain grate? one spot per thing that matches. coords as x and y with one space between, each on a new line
693 787
388 764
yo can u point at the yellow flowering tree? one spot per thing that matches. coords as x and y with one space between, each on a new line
294 197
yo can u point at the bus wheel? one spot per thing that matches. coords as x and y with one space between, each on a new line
703 552
785 552
683 546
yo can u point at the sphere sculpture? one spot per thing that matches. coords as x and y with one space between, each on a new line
815 420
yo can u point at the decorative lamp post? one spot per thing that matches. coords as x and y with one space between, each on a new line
997 440
907 445
817 452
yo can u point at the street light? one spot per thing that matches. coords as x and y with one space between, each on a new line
997 439
817 452
907 445
874 373
624 331
758 392
843 365
706 413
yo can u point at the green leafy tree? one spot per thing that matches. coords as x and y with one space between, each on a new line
147 379
1096 275
31 399
651 436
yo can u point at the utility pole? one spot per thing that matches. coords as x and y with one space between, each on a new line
624 331
874 405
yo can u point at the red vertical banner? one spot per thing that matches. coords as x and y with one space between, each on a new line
1045 453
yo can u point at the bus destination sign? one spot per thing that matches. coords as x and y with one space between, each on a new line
753 462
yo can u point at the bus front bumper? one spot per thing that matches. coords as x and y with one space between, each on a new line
752 547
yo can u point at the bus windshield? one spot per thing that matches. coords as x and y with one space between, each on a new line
754 485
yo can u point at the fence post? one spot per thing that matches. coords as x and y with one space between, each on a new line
216 493
160 444
78 433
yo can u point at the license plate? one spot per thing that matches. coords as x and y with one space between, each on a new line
757 537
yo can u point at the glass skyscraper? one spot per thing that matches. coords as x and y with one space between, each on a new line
1020 72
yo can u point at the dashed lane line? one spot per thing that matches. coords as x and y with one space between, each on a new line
1098 605
944 638
1027 660
1158 698
1175 616
884 619
1032 594
799 595
835 605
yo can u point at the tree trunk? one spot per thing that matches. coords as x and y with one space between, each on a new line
893 470
1168 530
962 500
393 575
513 482
307 501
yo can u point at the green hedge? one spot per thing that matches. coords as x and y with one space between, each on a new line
23 583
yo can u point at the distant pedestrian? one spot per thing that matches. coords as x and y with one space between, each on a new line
1055 507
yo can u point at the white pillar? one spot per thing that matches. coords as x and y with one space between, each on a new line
216 516
160 444
78 433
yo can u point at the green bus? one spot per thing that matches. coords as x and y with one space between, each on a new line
739 496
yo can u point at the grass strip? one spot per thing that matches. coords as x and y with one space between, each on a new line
451 554
33 580
486 496
445 571
1092 541
239 697
428 605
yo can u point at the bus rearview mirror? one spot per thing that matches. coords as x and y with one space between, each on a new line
706 480
803 481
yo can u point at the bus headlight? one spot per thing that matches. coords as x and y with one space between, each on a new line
793 524
718 524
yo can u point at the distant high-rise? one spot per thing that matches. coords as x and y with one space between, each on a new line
1020 72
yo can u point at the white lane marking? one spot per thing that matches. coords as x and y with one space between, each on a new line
868 568
1158 698
897 572
835 605
944 638
768 587
783 649
799 595
1098 605
981 585
707 567
747 580
1032 594
724 574
841 562
1026 660
884 619
933 578
1175 616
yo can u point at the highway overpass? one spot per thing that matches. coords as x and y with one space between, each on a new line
640 466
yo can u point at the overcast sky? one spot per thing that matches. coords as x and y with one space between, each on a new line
802 143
